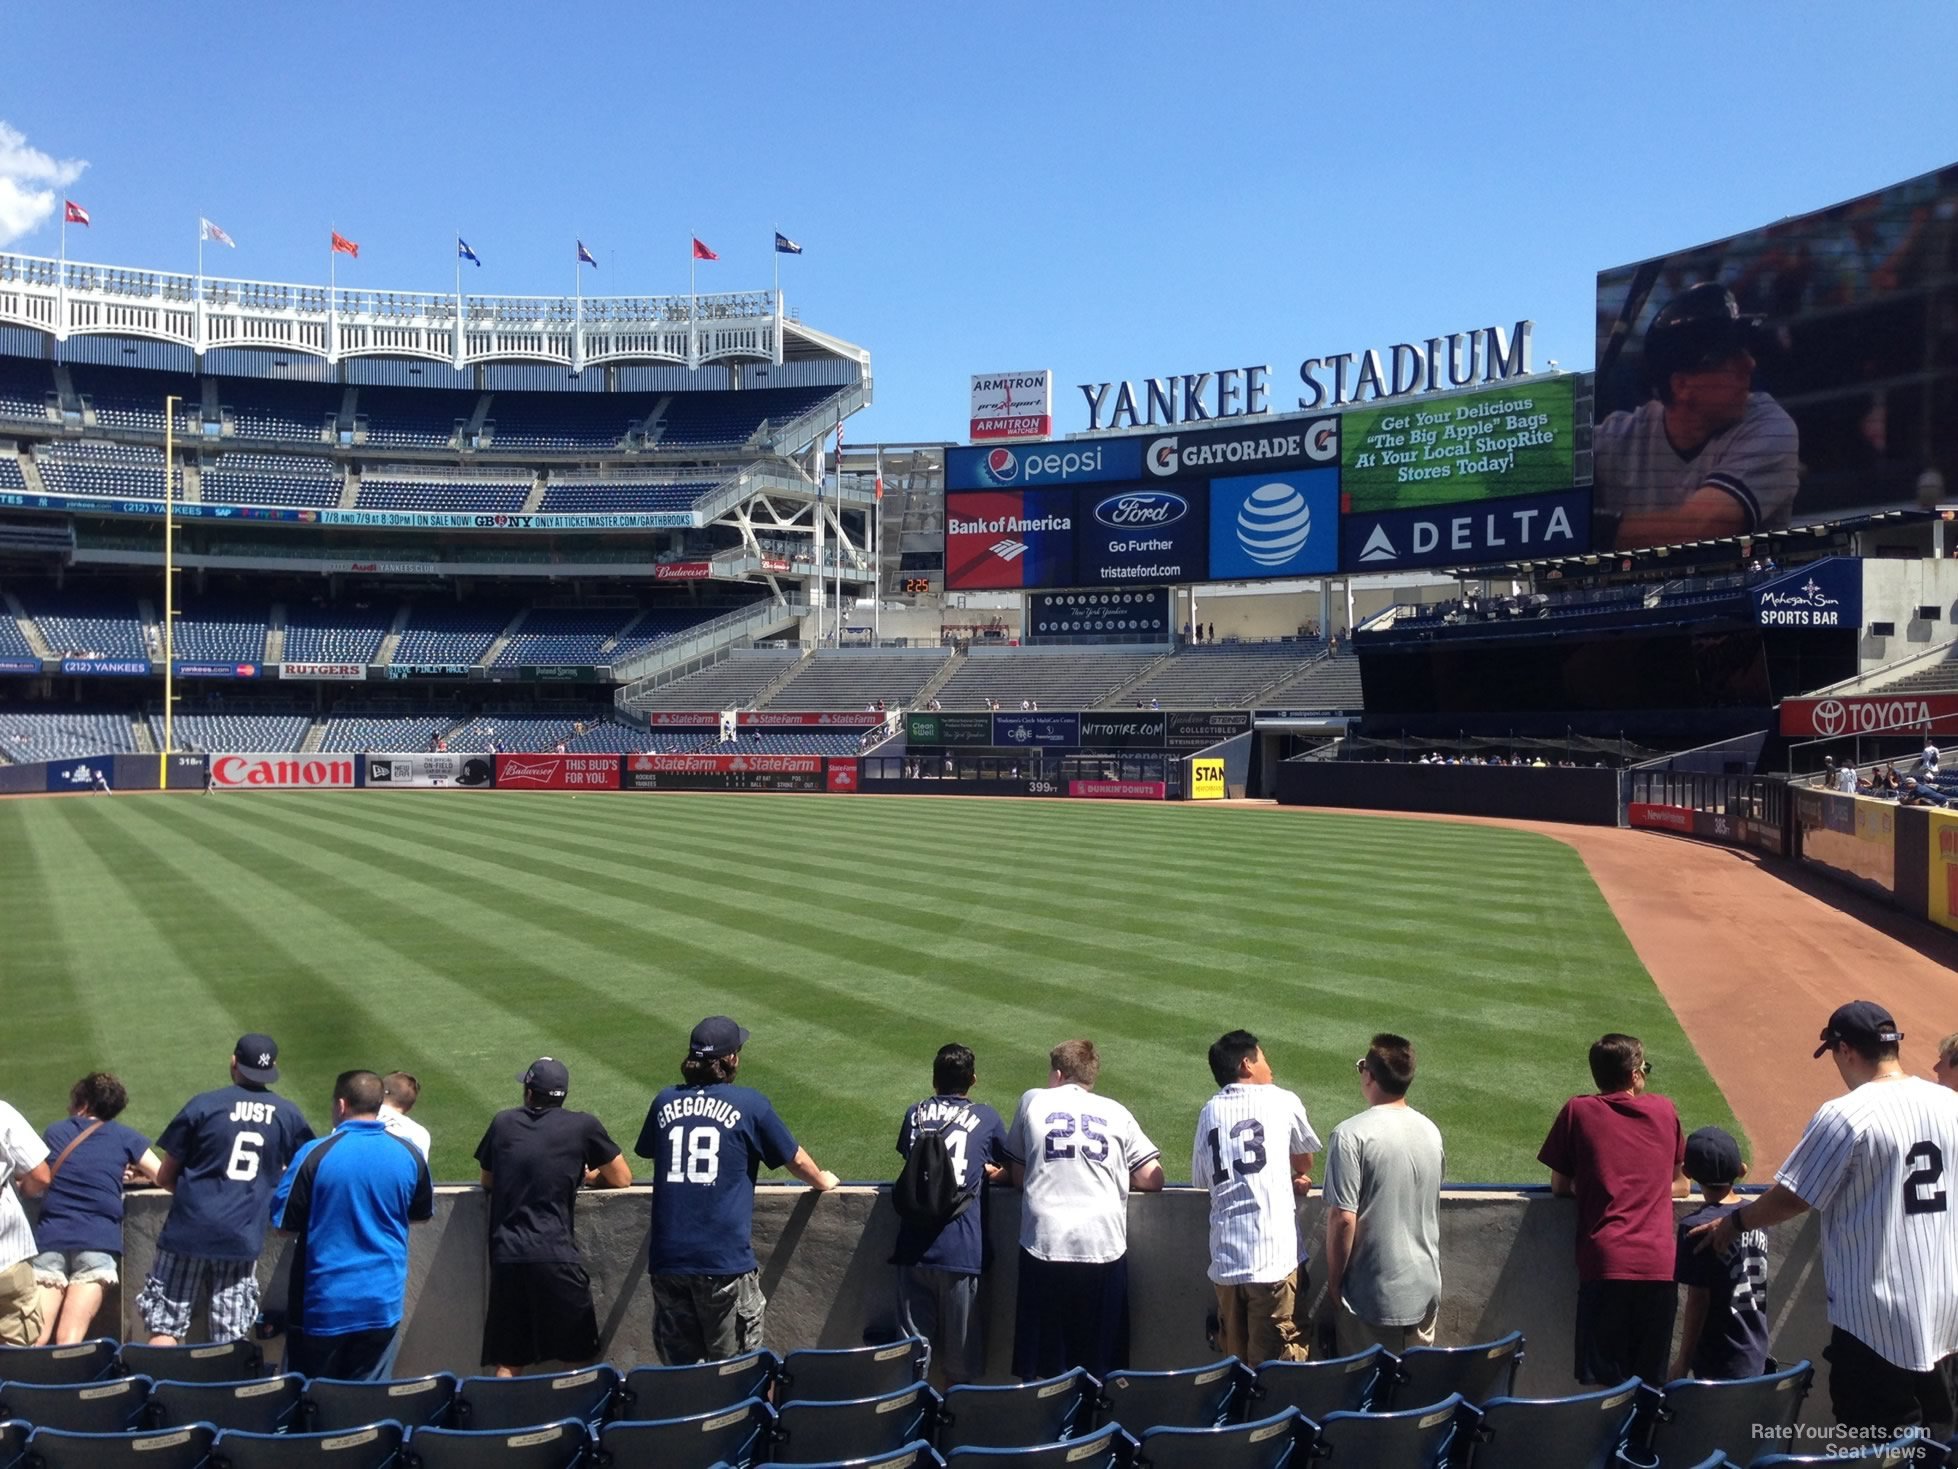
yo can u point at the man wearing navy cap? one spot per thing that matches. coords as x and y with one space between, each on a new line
1878 1164
708 1139
223 1155
534 1160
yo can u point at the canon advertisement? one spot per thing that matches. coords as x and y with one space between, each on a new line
284 771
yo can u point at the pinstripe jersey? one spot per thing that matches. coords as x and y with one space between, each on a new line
1638 471
1078 1150
1246 1135
1877 1164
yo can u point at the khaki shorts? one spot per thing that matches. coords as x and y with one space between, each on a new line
20 1305
1254 1322
1354 1335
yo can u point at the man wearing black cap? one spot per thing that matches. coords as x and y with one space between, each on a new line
1878 1164
223 1155
1707 456
534 1159
708 1139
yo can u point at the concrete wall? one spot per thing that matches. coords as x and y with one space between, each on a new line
1507 1265
1893 591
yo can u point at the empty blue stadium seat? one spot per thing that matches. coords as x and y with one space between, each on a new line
736 1436
545 1397
1483 1370
830 1375
1330 1385
1407 1438
1018 1416
169 1448
915 1455
1269 1443
1105 1448
814 1432
111 1406
262 1405
1581 1432
330 1405
658 1393
538 1446
1194 1397
1683 1422
222 1361
83 1362
369 1446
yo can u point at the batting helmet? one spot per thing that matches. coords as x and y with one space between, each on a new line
1703 323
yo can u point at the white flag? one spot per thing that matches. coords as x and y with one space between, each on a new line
208 231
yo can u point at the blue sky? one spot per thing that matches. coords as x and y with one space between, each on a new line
1109 191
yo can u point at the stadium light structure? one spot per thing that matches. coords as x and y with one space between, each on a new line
169 592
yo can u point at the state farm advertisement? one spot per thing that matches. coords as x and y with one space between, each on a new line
769 719
683 571
684 719
843 777
558 772
284 771
1117 790
1877 713
719 764
649 772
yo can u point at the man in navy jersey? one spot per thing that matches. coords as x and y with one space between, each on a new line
350 1198
222 1157
1724 1331
534 1160
938 1265
708 1138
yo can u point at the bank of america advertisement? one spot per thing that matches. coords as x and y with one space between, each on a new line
1417 452
1004 540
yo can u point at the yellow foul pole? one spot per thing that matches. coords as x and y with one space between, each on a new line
169 590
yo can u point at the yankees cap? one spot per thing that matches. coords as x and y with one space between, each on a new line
547 1077
1860 1023
716 1036
1712 1156
1702 323
257 1058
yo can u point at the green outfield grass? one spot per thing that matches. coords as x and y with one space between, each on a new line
460 935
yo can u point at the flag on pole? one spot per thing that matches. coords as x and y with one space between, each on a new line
880 475
78 215
785 246
585 257
701 252
344 246
463 252
208 231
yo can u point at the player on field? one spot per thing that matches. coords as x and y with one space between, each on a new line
534 1159
1877 1163
939 1260
1076 1155
708 1139
1253 1151
223 1155
1383 1205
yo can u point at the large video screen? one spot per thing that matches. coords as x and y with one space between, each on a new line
1417 452
1804 371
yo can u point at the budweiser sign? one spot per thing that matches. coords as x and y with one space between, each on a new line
683 571
282 772
719 764
1878 713
558 772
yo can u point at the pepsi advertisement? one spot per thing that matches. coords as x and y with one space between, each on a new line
1142 533
1274 524
1030 465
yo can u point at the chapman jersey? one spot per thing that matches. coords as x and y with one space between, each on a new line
1637 471
1878 1165
707 1144
974 1137
1246 1136
1078 1150
231 1145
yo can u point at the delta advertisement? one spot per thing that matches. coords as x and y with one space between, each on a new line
1802 371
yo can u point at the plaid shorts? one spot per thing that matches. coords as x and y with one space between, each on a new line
169 1297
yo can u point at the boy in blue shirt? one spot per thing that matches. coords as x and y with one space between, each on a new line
1724 1328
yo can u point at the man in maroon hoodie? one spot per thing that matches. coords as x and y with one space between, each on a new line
1621 1154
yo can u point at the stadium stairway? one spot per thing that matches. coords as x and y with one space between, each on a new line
391 639
940 679
139 731
27 628
30 472
1113 698
275 633
534 501
502 639
315 733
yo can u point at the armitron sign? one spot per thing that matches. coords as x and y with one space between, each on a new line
1878 713
283 772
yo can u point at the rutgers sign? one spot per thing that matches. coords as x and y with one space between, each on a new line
1861 714
282 772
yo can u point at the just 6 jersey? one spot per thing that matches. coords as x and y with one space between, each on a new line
1246 1136
707 1144
1078 1150
232 1146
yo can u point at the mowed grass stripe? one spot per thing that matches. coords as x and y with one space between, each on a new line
855 936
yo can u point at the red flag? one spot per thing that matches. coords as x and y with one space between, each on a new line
344 246
78 215
701 252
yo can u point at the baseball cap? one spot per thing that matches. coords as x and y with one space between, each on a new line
547 1077
1712 1156
716 1036
1861 1023
1701 323
257 1058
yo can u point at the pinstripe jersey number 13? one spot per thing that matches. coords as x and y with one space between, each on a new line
1247 1139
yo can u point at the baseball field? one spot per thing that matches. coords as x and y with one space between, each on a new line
458 936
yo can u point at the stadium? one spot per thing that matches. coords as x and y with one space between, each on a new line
1439 707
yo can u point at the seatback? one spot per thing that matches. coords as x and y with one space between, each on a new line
1269 1443
1914 1451
857 1372
220 1361
1196 1397
115 1406
330 1405
737 1437
543 1446
1693 1418
916 1455
85 1361
1407 1438
374 1447
1582 1432
1019 1415
169 1448
13 1440
1105 1448
816 1432
1334 1385
545 1397
1480 1372
655 1394
264 1405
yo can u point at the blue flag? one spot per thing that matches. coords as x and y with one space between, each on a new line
585 256
463 252
785 246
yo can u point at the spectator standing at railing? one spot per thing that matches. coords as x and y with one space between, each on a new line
1927 763
23 1167
1945 1068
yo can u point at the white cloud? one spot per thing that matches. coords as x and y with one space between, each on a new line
28 181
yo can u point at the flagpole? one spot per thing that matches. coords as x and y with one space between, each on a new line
877 551
198 325
775 255
61 280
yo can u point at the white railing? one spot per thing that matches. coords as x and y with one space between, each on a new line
205 312
639 674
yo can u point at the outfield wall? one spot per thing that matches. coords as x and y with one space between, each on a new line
1906 856
1528 793
1507 1264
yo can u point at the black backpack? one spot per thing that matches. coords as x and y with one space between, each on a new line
927 1190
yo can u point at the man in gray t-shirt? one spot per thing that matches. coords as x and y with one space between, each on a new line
1383 1196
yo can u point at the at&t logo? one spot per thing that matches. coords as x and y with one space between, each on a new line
1274 523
